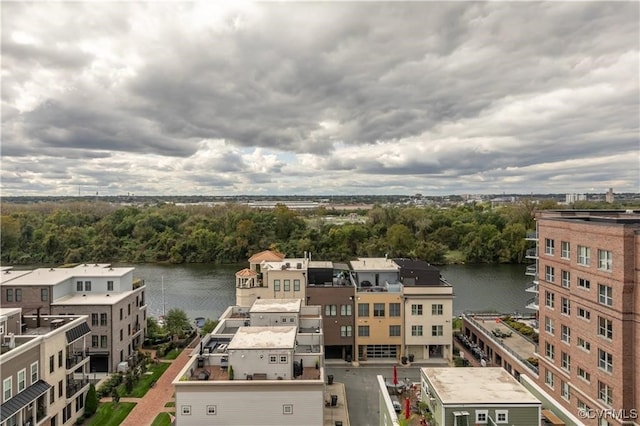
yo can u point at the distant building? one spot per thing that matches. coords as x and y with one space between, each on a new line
572 198
472 396
44 368
114 303
262 364
609 197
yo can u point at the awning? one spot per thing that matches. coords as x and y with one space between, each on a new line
23 399
77 332
552 418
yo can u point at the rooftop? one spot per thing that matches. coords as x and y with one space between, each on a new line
374 264
276 306
488 385
277 337
53 276
91 298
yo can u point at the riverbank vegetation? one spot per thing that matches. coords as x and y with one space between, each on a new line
56 233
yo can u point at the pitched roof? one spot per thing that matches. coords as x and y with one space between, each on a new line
246 272
268 255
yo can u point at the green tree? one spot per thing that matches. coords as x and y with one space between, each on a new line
400 239
208 326
177 322
153 328
91 402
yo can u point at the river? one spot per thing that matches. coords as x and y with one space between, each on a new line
207 290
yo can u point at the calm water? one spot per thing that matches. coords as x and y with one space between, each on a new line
207 290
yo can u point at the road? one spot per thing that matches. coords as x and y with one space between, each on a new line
362 389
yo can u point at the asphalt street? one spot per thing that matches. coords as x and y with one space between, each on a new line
362 389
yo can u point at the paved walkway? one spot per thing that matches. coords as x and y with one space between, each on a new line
153 403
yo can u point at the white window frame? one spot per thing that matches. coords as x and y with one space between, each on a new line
605 393
276 285
549 378
273 359
283 359
565 306
437 309
296 285
482 417
584 313
565 278
416 330
605 362
35 370
584 374
185 410
584 344
437 330
212 410
605 260
565 250
506 416
549 351
605 328
7 389
565 390
346 310
287 285
549 246
606 297
584 283
565 333
287 409
550 299
22 382
416 309
549 274
584 255
346 331
565 361
549 325
330 310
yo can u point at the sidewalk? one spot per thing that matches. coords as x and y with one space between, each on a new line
153 403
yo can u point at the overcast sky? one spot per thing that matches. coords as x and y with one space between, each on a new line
215 98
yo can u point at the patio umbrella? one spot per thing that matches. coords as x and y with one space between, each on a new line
395 376
406 408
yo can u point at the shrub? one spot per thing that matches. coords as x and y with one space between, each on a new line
91 402
80 420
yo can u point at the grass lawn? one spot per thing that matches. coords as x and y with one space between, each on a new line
162 419
143 385
109 414
173 354
170 404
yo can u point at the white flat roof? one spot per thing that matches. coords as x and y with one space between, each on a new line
276 337
374 264
6 312
53 276
276 306
483 385
9 274
91 298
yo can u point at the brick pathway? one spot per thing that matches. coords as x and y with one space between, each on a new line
148 407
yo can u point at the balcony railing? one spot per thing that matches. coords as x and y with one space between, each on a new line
532 287
75 385
531 253
532 236
533 304
75 359
532 270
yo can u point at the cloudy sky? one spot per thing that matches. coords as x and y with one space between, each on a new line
217 98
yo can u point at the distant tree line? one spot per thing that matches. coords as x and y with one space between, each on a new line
55 233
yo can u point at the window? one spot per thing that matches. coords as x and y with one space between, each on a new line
273 359
482 416
565 306
103 319
584 284
605 295
59 359
7 385
605 361
416 330
565 334
549 325
378 309
363 330
60 392
395 330
121 314
94 319
287 408
584 375
79 286
287 285
9 295
283 359
584 255
583 313
582 406
416 309
605 260
565 359
52 364
94 341
103 341
330 310
22 380
436 309
345 331
186 410
550 351
44 294
565 391
565 250
583 344
549 378
550 299
549 246
296 285
276 285
502 416
394 309
34 372
436 330
52 395
605 328
566 278
129 309
109 285
605 393
121 335
549 274
345 310
87 286
211 410
363 309
18 295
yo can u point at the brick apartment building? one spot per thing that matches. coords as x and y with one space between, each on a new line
588 276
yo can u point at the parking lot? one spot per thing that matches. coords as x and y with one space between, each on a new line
362 389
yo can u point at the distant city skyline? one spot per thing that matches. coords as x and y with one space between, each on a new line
342 98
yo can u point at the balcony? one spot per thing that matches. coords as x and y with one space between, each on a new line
532 236
531 253
76 359
75 386
532 270
532 304
532 287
